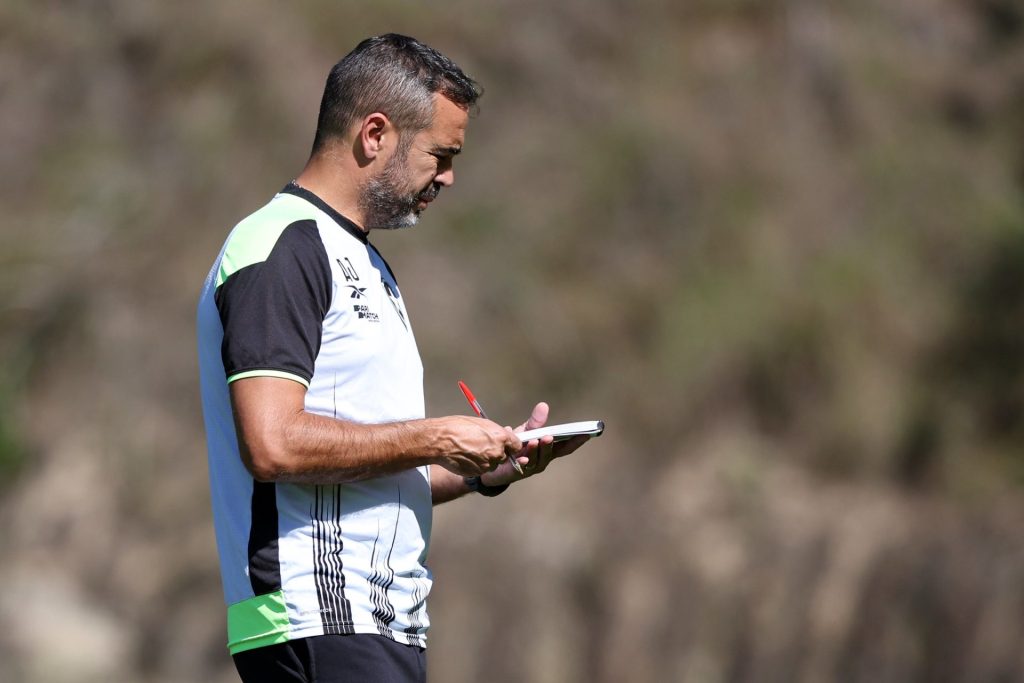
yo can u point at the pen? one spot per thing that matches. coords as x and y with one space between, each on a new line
479 410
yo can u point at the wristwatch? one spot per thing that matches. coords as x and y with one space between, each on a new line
475 484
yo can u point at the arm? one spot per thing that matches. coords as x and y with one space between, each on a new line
280 441
535 456
445 485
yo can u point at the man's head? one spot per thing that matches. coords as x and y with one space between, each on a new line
396 86
395 75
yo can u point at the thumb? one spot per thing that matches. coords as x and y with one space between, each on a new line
538 417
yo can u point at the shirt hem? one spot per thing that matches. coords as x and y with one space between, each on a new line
267 639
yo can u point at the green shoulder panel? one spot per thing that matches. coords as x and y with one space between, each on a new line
252 240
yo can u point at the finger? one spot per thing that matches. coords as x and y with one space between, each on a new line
529 451
545 453
538 418
528 457
564 448
512 443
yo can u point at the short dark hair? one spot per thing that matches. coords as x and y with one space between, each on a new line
395 75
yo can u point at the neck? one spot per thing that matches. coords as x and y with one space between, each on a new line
328 176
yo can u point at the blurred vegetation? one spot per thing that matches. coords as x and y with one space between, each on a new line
778 245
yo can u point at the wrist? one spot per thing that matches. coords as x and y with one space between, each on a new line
436 440
492 480
478 485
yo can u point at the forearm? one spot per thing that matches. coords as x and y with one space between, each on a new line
446 486
280 441
314 449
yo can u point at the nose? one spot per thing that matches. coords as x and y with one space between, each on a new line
447 178
445 174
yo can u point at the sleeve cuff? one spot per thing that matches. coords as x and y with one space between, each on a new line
268 373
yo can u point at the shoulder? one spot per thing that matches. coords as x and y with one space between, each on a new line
286 223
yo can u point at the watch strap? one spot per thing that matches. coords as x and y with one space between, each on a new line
476 484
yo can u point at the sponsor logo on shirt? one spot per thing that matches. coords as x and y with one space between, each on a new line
364 313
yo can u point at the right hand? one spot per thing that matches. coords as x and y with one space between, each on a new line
474 445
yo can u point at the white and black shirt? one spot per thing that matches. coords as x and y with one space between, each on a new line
298 292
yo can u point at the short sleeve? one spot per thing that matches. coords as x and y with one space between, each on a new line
273 309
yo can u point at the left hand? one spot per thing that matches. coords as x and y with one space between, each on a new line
536 454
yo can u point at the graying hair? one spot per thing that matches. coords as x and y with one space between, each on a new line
395 75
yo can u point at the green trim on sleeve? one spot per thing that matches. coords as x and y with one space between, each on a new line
253 239
268 373
257 622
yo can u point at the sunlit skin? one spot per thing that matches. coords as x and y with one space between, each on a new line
340 173
429 163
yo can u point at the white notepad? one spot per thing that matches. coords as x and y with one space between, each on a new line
564 431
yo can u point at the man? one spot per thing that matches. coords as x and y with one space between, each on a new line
323 469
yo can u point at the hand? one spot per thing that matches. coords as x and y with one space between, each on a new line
473 446
536 454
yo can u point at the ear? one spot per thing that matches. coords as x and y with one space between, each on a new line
372 134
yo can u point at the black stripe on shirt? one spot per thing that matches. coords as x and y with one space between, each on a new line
419 599
328 572
382 577
264 560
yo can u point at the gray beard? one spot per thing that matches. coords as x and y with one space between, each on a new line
383 208
384 205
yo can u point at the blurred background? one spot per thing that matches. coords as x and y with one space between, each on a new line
777 245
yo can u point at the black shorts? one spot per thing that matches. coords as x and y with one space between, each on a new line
359 658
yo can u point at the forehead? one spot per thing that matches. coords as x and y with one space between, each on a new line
449 126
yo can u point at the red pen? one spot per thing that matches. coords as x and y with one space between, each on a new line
479 410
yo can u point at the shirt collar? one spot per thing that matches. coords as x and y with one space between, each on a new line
294 188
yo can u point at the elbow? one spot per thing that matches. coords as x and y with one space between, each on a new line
265 409
264 470
265 462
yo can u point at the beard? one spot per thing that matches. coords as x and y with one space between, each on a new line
386 199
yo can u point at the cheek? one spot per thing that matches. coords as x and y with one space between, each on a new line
425 169
425 177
